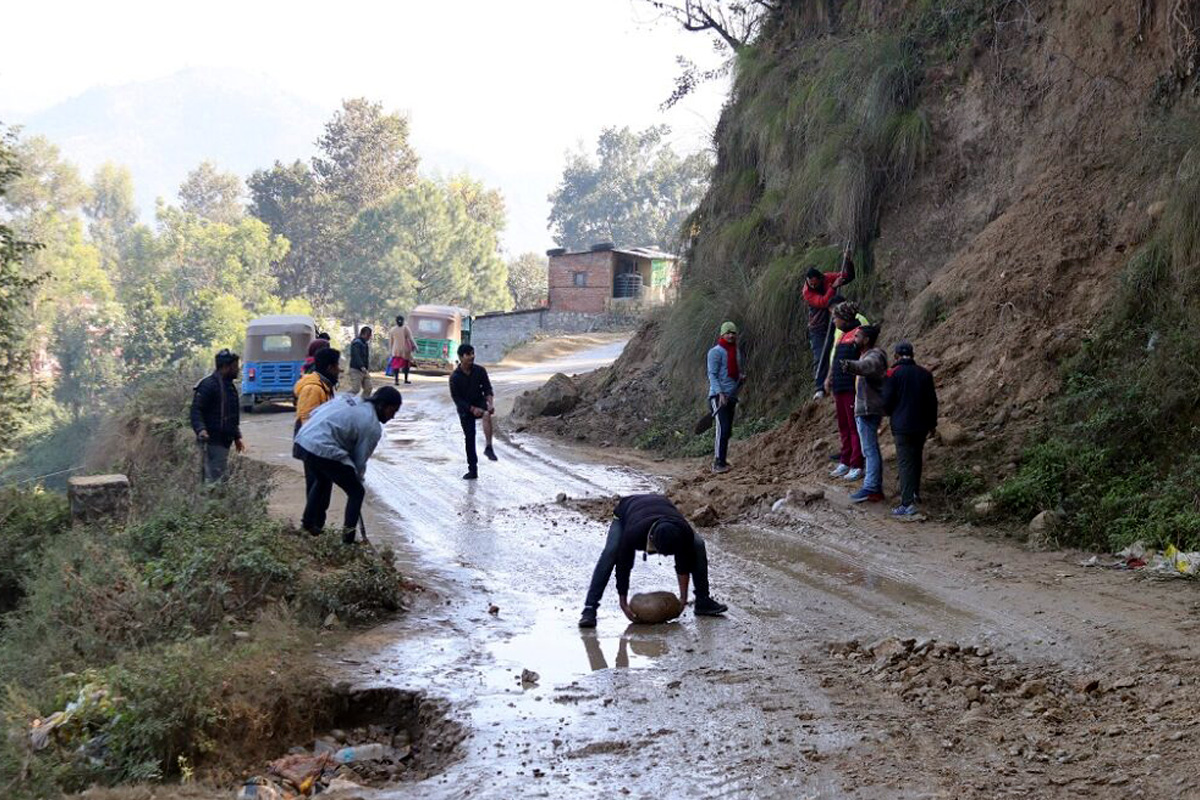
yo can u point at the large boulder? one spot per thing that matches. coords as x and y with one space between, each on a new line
654 607
557 396
1042 530
99 498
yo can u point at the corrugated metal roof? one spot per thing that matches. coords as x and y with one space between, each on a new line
639 252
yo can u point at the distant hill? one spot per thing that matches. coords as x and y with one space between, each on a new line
163 128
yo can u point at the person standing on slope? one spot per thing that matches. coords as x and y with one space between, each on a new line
910 399
216 416
726 374
840 384
820 289
870 369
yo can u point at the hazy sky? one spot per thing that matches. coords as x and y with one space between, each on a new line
502 88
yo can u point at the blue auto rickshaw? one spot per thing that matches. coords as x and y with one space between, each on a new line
273 358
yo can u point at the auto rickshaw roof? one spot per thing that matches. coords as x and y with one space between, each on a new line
439 311
281 323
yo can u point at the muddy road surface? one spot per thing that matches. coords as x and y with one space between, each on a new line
860 657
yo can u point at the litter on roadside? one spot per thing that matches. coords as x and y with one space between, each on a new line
1170 563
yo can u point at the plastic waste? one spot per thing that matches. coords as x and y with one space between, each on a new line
259 789
362 752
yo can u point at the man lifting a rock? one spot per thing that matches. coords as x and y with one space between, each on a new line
650 523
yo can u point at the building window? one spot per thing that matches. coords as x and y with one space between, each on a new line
579 278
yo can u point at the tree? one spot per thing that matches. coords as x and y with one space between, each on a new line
637 192
528 280
16 289
87 362
144 345
212 195
733 21
421 245
365 155
292 202
112 214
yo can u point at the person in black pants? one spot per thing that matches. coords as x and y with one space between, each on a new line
910 398
472 394
650 523
337 441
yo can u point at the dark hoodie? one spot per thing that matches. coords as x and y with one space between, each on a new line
638 513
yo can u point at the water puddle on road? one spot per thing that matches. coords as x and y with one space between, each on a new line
560 654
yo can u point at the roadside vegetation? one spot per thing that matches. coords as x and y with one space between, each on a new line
181 644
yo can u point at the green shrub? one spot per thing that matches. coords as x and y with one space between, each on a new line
29 521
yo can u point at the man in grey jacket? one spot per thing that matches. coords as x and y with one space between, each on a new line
870 369
336 442
726 374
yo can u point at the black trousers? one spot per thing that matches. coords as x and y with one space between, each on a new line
909 454
722 427
608 562
468 426
320 474
820 341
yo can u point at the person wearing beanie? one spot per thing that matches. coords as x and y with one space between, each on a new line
870 370
337 440
652 524
319 343
726 374
910 399
820 293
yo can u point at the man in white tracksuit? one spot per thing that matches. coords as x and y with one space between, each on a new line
726 374
336 442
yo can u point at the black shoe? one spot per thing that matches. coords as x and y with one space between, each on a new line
312 531
707 607
490 453
588 618
348 536
407 381
471 475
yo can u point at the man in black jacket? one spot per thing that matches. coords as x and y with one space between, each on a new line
360 363
910 398
650 523
472 394
216 416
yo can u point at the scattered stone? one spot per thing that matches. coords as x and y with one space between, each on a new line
1042 529
529 678
561 498
493 609
655 607
1032 688
985 506
951 434
705 516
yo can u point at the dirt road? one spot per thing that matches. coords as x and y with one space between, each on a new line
1010 673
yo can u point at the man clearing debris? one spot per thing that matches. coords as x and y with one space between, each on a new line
650 523
472 394
315 389
870 369
726 374
336 441
910 398
216 416
820 289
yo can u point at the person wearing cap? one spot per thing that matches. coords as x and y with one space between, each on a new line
726 374
870 370
840 384
910 398
820 293
336 441
216 416
650 523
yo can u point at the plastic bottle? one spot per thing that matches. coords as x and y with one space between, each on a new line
363 752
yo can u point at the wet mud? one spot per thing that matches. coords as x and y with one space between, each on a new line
772 700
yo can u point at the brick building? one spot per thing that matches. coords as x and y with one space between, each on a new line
607 278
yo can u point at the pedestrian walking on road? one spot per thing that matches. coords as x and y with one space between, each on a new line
870 370
820 291
473 397
400 339
360 363
840 384
650 523
216 417
337 439
910 398
726 374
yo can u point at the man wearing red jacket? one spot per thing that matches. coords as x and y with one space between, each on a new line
820 290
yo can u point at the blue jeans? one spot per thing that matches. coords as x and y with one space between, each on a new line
868 434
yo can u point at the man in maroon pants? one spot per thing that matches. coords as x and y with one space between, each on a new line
840 384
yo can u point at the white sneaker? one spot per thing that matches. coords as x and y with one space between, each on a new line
819 395
853 474
839 471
